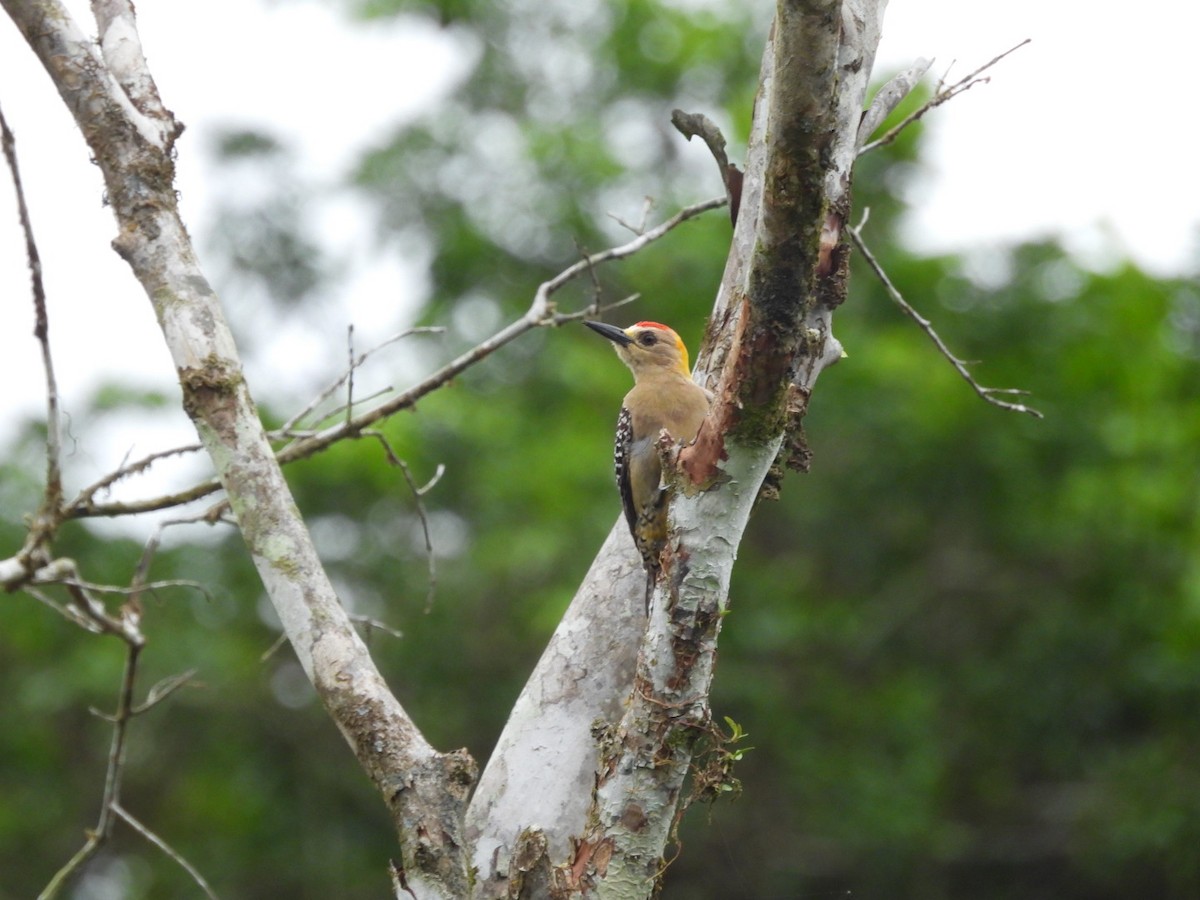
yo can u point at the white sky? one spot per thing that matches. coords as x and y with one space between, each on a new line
1083 134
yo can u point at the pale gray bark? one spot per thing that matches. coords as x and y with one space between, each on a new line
582 789
769 338
131 134
542 772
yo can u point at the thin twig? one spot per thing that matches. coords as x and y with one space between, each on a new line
212 515
51 512
88 612
355 362
84 503
116 754
167 849
597 291
640 228
274 648
579 314
134 590
162 690
124 625
541 301
350 371
540 314
100 835
60 878
888 97
960 366
371 624
67 611
941 96
417 493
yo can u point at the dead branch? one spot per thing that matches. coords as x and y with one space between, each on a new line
131 137
100 835
991 395
166 848
45 525
647 205
85 506
541 314
162 690
418 493
942 94
888 97
370 625
699 125
355 363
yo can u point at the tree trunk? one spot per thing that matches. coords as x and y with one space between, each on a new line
589 776
768 339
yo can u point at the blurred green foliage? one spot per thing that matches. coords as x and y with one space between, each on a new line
965 648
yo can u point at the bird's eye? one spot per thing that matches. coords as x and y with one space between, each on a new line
647 339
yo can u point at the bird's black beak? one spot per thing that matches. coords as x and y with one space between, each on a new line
612 332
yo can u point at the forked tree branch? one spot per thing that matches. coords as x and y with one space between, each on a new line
541 313
776 321
943 93
577 774
131 136
550 819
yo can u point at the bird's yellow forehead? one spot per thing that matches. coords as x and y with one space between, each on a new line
667 334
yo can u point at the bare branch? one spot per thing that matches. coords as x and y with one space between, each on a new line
143 567
276 645
417 493
888 97
580 314
124 625
371 624
540 314
116 755
135 507
99 836
699 125
541 307
647 205
135 589
50 514
84 504
60 878
350 371
355 362
941 96
991 395
67 611
165 848
162 690
692 125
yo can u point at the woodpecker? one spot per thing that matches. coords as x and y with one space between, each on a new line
663 397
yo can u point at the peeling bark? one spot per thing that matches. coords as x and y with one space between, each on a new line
587 779
767 341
